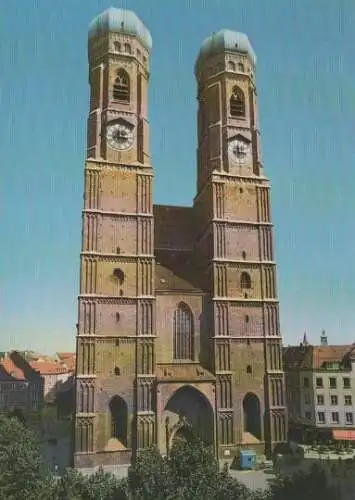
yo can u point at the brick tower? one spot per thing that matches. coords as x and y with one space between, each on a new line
235 243
115 327
178 329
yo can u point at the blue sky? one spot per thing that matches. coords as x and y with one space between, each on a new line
306 82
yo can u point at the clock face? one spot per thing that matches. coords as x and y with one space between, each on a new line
238 151
119 136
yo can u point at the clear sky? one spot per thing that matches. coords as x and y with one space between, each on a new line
306 90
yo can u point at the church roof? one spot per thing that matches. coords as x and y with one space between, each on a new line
120 21
225 41
175 271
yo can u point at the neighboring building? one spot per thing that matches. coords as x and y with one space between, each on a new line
29 379
320 388
13 387
178 325
18 390
67 358
65 399
53 374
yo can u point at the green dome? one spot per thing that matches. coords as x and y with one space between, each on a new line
121 21
225 41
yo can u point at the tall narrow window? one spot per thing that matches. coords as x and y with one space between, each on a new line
121 86
183 333
245 280
237 102
119 413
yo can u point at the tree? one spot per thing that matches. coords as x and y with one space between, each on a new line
148 478
303 486
22 472
99 486
189 472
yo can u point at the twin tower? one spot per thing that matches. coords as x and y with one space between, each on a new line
178 330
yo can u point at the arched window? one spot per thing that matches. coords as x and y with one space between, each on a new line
237 102
119 414
183 333
245 280
241 67
127 48
231 66
117 46
121 87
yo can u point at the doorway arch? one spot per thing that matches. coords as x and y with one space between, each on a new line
252 417
190 415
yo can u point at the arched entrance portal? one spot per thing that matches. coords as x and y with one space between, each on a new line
188 415
251 410
182 433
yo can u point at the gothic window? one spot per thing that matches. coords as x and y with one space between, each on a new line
127 48
121 86
183 333
117 46
241 67
119 414
245 280
237 102
231 66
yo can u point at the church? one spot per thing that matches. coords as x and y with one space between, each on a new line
178 319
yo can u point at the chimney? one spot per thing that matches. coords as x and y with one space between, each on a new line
323 338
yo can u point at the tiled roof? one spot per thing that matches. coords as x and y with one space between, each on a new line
48 368
313 357
68 358
329 353
174 227
65 355
175 271
11 369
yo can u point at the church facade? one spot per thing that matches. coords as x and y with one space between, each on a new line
178 322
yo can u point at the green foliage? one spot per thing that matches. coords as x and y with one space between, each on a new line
22 472
17 413
100 486
149 478
190 472
304 486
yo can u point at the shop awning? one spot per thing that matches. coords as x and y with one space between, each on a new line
343 435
